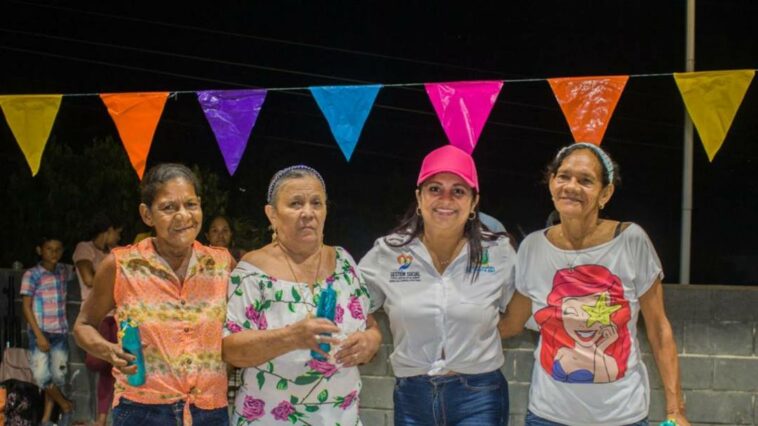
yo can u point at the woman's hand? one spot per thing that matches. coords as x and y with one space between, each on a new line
116 356
307 334
358 348
679 418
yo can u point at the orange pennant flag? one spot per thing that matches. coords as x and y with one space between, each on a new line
712 99
136 116
31 119
588 103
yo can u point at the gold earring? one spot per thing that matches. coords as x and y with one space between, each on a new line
471 215
418 211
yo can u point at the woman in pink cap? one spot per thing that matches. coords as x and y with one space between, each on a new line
445 284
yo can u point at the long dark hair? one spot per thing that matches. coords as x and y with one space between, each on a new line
411 226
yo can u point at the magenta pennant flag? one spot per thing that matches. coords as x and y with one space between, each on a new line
232 115
463 108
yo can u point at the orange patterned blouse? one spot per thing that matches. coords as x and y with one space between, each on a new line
180 325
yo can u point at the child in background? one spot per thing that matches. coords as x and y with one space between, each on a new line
43 289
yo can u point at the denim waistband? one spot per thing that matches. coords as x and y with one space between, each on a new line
446 378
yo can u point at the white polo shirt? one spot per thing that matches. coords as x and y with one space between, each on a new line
440 323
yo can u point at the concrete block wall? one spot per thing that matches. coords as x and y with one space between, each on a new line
715 332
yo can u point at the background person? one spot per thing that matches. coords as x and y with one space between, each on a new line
43 301
104 235
221 234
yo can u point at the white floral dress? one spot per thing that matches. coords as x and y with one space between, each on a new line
295 388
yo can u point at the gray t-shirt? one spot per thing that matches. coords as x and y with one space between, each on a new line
588 368
432 314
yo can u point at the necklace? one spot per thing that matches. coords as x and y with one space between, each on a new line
443 263
308 306
571 262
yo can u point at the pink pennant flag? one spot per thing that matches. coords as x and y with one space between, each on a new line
463 108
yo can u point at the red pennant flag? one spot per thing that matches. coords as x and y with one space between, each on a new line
136 116
588 103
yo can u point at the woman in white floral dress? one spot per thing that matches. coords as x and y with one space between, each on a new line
271 328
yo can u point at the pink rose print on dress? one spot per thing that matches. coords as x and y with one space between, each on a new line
323 367
349 398
252 408
283 411
338 313
356 311
257 317
233 327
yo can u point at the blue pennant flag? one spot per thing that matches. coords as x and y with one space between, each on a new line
346 109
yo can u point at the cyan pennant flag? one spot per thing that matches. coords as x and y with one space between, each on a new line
346 109
232 115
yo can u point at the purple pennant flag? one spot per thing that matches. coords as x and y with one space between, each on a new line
232 115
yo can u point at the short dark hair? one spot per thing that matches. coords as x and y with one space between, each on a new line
48 237
101 222
162 173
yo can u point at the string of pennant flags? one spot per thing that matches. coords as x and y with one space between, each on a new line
711 98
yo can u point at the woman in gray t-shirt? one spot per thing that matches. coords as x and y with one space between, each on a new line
588 279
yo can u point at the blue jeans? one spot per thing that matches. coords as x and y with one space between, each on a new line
130 413
49 368
534 420
460 399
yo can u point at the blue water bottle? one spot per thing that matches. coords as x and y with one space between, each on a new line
132 344
327 306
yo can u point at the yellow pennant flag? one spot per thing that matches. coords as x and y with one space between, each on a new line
712 99
31 118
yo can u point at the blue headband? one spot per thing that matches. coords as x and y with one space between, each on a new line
283 174
604 158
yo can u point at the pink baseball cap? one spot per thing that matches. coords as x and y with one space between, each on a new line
452 160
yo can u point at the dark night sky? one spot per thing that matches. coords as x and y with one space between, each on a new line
80 47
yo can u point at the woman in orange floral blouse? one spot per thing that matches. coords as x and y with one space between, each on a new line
174 289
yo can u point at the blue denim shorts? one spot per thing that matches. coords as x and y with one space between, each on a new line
130 413
458 399
49 368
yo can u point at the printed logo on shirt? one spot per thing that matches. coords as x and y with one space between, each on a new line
404 260
485 267
402 275
583 328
